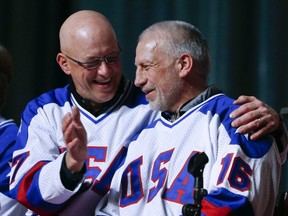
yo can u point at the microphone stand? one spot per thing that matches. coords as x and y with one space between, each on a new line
195 167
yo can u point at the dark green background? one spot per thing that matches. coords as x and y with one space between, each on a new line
247 38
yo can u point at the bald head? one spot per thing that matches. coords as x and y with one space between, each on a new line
85 37
85 28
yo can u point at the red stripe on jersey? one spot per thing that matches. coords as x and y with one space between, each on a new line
24 187
213 210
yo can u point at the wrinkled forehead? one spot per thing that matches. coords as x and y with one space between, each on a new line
152 54
148 45
145 50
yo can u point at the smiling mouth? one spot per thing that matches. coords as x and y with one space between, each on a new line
148 93
104 82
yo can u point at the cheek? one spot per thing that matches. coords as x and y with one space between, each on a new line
117 72
76 75
159 78
117 68
164 87
84 79
153 77
166 83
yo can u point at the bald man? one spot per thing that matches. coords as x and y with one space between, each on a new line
48 174
56 174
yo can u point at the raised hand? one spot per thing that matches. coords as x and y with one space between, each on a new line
75 138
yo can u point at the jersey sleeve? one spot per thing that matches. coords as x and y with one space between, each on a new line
245 174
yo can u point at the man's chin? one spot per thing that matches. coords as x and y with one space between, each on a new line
102 98
154 106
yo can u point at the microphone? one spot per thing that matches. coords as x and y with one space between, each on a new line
195 167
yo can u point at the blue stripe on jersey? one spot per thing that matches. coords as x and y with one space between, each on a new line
223 106
34 189
58 96
29 198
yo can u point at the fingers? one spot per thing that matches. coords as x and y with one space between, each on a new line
76 115
66 120
258 122
244 99
251 109
263 128
248 103
246 117
75 138
70 123
254 117
254 125
67 127
80 131
258 134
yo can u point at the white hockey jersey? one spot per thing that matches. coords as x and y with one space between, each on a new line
241 177
35 180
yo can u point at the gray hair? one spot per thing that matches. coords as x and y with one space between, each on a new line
181 37
5 73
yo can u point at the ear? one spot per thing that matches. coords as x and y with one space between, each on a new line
185 63
62 61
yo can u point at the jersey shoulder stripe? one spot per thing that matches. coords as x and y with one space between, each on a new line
223 106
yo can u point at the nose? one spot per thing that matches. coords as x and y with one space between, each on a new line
140 77
103 68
